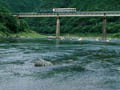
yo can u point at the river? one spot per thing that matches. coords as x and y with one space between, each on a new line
78 64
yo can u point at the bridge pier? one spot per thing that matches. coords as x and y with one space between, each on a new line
104 36
58 27
18 21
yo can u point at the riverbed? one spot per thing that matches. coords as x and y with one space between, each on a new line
77 64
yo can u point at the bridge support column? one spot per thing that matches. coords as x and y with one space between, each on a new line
104 36
58 28
18 21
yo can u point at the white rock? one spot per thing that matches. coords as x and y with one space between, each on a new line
40 63
80 39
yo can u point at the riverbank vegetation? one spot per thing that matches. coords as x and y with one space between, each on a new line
30 34
10 24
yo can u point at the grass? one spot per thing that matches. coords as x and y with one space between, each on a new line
33 34
30 34
2 34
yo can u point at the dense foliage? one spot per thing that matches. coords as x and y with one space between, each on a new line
69 25
10 24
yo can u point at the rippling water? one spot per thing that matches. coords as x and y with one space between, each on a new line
78 65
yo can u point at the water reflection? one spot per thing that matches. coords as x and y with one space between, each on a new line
57 43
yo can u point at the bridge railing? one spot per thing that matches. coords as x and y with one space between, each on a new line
77 13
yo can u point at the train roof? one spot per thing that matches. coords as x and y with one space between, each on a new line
64 8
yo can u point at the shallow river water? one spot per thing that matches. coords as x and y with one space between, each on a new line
78 65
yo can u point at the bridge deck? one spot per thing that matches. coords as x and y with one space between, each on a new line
77 14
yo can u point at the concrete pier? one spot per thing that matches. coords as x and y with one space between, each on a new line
104 28
18 21
58 28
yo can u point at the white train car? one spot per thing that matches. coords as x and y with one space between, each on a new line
64 10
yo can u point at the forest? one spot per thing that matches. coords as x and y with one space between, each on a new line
9 23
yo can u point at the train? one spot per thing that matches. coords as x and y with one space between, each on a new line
64 10
58 10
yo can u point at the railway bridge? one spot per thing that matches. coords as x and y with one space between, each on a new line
103 14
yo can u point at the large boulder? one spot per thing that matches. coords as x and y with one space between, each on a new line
41 63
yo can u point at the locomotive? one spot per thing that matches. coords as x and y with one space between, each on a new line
58 10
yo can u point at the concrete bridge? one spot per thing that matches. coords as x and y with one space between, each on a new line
103 14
